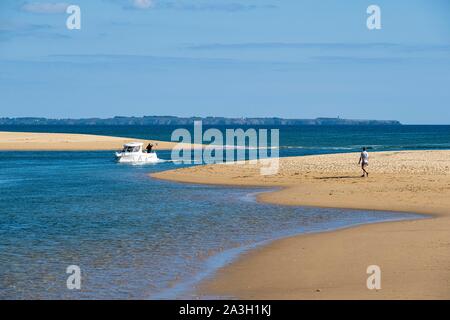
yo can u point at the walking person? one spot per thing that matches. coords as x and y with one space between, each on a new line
364 162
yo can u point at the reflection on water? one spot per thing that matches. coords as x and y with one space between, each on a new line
132 236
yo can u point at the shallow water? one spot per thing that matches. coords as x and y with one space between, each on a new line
131 235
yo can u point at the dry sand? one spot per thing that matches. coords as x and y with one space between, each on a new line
414 256
22 141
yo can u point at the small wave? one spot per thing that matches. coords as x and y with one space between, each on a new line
228 147
148 163
437 146
374 147
318 148
11 181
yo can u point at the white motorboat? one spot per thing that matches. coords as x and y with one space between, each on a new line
133 153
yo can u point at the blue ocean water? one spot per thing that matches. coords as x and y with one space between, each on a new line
138 237
294 140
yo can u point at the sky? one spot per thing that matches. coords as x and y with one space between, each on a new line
232 58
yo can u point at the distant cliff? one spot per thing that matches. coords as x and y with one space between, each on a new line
213 121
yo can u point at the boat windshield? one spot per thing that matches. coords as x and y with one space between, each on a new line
130 149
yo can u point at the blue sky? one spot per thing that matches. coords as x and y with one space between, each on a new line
236 58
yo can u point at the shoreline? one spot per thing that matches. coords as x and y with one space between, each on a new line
413 254
259 198
184 288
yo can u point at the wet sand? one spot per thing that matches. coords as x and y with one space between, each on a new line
414 256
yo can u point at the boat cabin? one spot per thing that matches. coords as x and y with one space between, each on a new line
133 147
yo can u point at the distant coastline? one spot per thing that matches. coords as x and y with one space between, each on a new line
172 120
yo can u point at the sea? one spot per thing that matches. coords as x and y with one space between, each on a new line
135 237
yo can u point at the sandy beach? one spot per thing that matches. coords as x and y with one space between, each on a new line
414 256
30 141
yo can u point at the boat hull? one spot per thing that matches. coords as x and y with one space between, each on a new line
136 158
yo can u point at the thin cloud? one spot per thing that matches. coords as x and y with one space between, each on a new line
10 31
358 60
11 35
322 46
45 7
227 7
187 5
291 45
142 4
